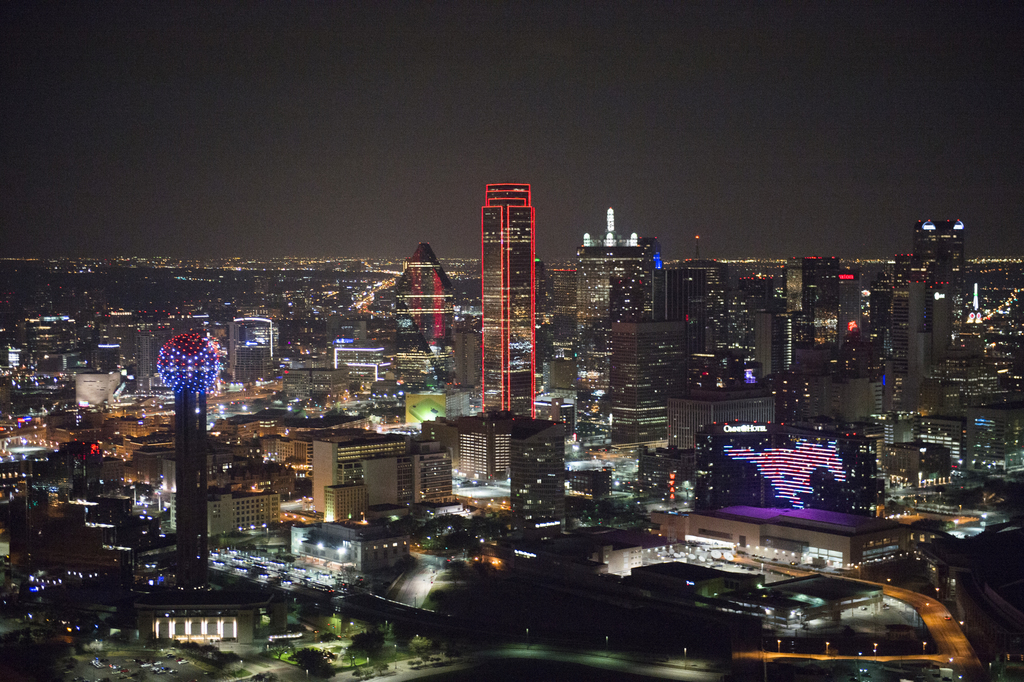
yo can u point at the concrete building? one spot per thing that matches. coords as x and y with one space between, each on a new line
296 451
662 472
945 431
339 461
688 415
537 469
915 464
242 511
994 438
484 444
592 483
686 578
391 469
323 386
207 617
365 547
345 502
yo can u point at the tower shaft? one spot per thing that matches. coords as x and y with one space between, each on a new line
190 484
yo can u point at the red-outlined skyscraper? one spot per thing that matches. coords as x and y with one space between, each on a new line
509 306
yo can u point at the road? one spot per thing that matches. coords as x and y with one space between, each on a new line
672 671
949 639
416 583
951 643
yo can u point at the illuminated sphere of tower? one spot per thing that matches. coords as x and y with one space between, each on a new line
188 363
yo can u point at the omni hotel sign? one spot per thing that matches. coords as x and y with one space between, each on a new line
745 428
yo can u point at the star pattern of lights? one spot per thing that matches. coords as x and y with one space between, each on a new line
789 469
189 363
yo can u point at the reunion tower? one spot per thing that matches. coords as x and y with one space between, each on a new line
188 364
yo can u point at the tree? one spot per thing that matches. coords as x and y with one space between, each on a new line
420 646
280 648
367 644
315 661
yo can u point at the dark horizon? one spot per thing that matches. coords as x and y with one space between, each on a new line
355 129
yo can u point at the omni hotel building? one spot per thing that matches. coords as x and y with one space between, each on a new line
777 466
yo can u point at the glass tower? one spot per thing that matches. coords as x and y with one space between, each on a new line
509 306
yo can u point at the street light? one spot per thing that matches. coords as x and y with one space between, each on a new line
779 641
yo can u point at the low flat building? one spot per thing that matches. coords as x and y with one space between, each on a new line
683 578
586 551
205 617
366 547
806 536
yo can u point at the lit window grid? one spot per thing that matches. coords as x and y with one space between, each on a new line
789 469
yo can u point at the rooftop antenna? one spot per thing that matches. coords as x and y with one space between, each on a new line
696 241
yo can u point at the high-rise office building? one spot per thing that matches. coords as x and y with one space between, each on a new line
507 265
695 292
820 301
687 416
850 293
939 246
994 437
752 296
537 469
604 263
563 310
188 364
647 367
484 442
424 315
252 346
773 342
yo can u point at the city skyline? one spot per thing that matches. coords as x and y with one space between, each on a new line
770 131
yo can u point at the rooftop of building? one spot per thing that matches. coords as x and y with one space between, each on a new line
204 598
523 428
354 530
629 538
152 439
999 407
679 570
356 437
825 588
220 493
813 518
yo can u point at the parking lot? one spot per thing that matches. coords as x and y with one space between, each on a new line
130 666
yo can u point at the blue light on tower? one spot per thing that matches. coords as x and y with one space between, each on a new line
189 363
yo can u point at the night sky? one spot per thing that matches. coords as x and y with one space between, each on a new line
362 128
